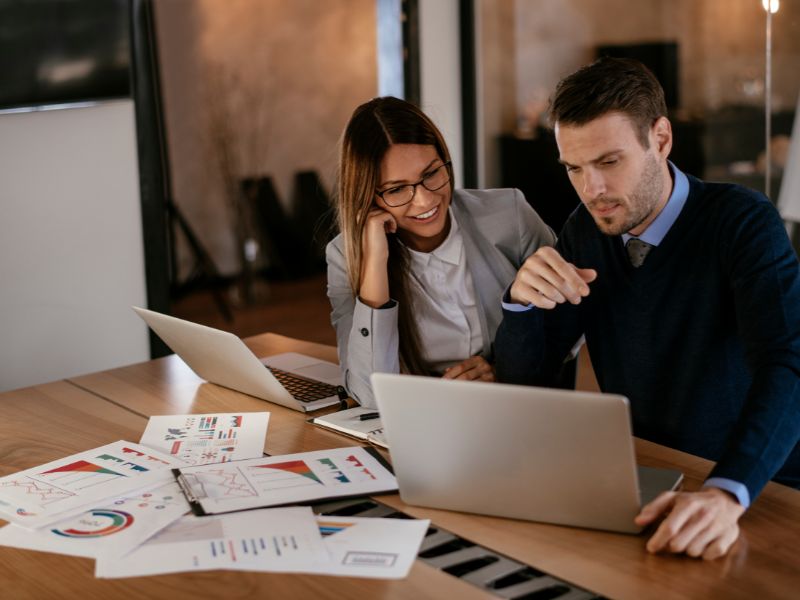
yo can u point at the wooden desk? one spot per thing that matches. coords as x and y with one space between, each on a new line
95 409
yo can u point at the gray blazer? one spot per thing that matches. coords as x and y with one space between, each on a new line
500 230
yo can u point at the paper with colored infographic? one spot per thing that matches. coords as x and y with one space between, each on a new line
280 539
210 438
363 547
112 529
43 495
286 479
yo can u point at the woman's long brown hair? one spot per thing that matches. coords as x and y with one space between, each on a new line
372 129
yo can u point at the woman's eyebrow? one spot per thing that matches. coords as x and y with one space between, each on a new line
402 181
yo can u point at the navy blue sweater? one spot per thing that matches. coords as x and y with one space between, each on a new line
703 338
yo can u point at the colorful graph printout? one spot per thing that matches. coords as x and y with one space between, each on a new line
48 493
81 475
279 480
362 547
97 523
116 527
281 476
280 539
327 528
207 439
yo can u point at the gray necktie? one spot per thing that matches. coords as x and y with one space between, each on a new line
637 251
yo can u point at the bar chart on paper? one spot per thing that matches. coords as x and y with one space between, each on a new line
299 473
279 476
80 475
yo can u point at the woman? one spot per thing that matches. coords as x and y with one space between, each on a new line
415 277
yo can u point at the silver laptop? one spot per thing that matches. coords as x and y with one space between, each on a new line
537 454
293 380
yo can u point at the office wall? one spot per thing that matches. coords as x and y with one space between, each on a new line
71 256
721 44
527 46
288 73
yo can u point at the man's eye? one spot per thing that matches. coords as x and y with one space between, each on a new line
573 169
608 163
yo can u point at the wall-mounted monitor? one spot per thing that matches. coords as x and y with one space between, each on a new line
63 51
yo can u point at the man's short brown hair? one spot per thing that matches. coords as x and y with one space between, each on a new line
610 85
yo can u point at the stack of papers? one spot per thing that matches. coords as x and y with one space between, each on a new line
276 540
121 505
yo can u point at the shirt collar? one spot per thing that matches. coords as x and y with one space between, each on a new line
657 230
449 250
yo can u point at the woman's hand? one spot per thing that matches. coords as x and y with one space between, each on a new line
374 288
374 245
474 368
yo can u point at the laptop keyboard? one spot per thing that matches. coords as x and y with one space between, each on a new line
304 390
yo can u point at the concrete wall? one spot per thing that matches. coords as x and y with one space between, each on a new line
285 75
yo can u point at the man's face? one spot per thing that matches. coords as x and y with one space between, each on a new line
623 185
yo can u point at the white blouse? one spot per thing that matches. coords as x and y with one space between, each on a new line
444 306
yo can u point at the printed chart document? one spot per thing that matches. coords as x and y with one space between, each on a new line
113 529
278 539
205 439
349 423
43 495
286 479
361 547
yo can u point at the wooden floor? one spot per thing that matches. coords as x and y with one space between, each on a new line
297 309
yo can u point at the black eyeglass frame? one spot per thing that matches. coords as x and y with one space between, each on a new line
421 182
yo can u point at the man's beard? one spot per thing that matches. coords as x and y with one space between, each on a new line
642 201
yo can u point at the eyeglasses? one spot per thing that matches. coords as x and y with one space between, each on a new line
403 194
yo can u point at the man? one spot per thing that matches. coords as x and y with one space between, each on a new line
688 294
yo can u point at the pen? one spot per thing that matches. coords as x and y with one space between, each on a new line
368 416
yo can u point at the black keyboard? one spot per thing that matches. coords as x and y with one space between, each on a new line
304 390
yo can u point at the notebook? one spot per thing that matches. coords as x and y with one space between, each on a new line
293 380
538 454
350 423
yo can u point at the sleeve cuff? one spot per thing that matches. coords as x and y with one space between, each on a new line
512 306
739 490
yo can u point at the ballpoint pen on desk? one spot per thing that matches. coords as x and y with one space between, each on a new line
368 416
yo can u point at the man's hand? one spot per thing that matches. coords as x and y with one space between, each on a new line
700 523
475 367
546 279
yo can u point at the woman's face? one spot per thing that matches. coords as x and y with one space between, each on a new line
423 223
